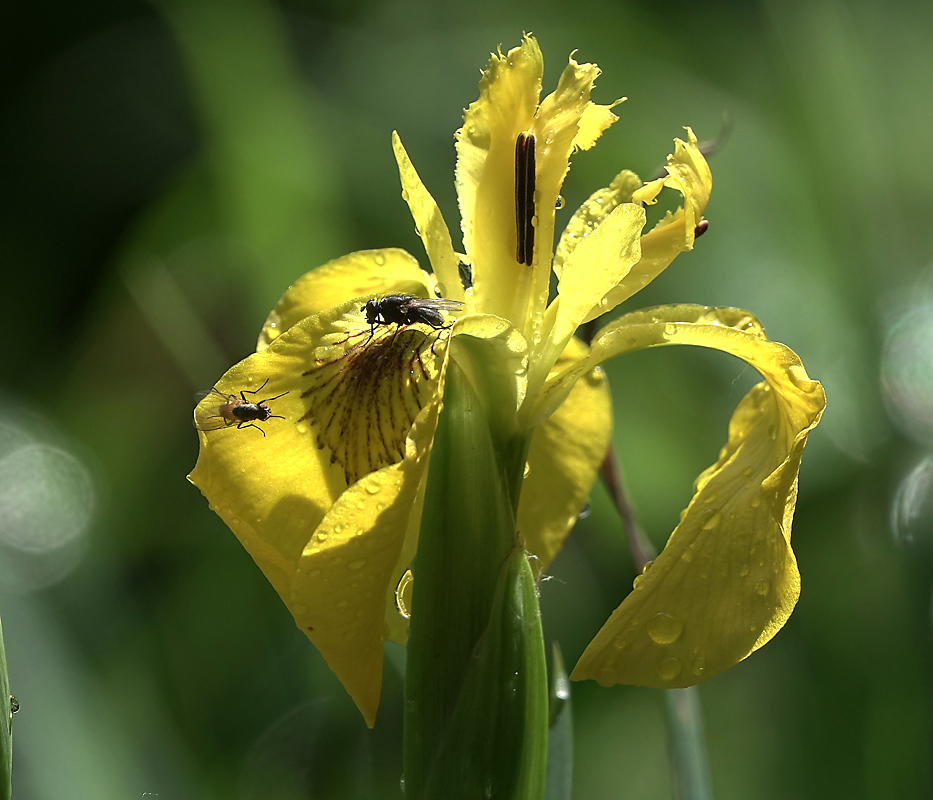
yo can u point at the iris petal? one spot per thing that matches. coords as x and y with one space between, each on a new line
430 225
361 274
508 99
565 454
689 174
332 552
727 579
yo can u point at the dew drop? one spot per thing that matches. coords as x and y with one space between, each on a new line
744 570
380 259
403 595
670 329
763 586
755 502
713 518
669 668
699 666
773 431
687 553
747 471
664 629
618 643
322 536
357 563
647 566
606 677
560 202
372 485
527 471
639 580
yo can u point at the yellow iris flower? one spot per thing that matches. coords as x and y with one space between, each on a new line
326 495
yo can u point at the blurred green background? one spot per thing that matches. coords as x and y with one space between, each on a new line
168 169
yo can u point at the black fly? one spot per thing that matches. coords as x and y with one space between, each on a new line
403 309
233 410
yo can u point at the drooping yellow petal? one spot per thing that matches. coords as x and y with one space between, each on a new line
727 579
346 575
360 274
689 174
279 488
485 179
565 454
430 225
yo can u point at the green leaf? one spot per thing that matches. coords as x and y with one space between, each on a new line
476 683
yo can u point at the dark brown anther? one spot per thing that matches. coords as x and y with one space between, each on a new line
524 198
700 229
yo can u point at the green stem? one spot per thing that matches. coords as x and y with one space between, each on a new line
476 682
6 728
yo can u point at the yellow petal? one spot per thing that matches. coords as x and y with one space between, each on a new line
279 490
485 177
430 225
363 389
727 579
360 274
597 207
595 120
565 454
345 578
596 265
557 129
689 174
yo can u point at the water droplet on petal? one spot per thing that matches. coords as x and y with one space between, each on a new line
403 595
380 259
527 471
744 570
713 517
670 329
763 586
358 563
606 677
321 536
646 566
755 502
699 666
670 668
664 628
560 202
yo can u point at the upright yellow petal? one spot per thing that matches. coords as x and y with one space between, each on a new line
430 225
485 179
727 579
688 173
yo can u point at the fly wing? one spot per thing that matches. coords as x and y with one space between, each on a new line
207 416
434 303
